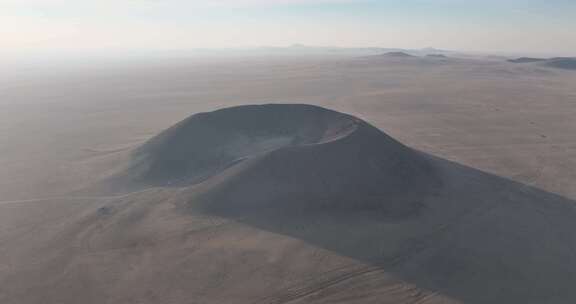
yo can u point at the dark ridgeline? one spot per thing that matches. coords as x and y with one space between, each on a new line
398 55
567 63
526 60
442 56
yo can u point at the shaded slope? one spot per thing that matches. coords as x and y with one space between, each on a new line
259 154
482 239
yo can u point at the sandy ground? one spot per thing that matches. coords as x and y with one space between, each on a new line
65 129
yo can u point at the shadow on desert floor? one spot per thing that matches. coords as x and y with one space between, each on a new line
480 239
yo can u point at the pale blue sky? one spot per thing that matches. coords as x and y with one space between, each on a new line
487 25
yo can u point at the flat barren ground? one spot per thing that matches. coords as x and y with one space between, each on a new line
65 129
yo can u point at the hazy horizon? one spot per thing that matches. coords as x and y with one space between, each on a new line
92 27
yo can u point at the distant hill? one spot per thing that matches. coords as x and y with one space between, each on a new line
437 56
398 55
562 63
526 60
567 63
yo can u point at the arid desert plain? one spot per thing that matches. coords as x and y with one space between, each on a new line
349 179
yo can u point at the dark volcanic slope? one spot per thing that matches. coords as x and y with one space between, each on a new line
267 152
207 143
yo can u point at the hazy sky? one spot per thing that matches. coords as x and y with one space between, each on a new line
483 25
